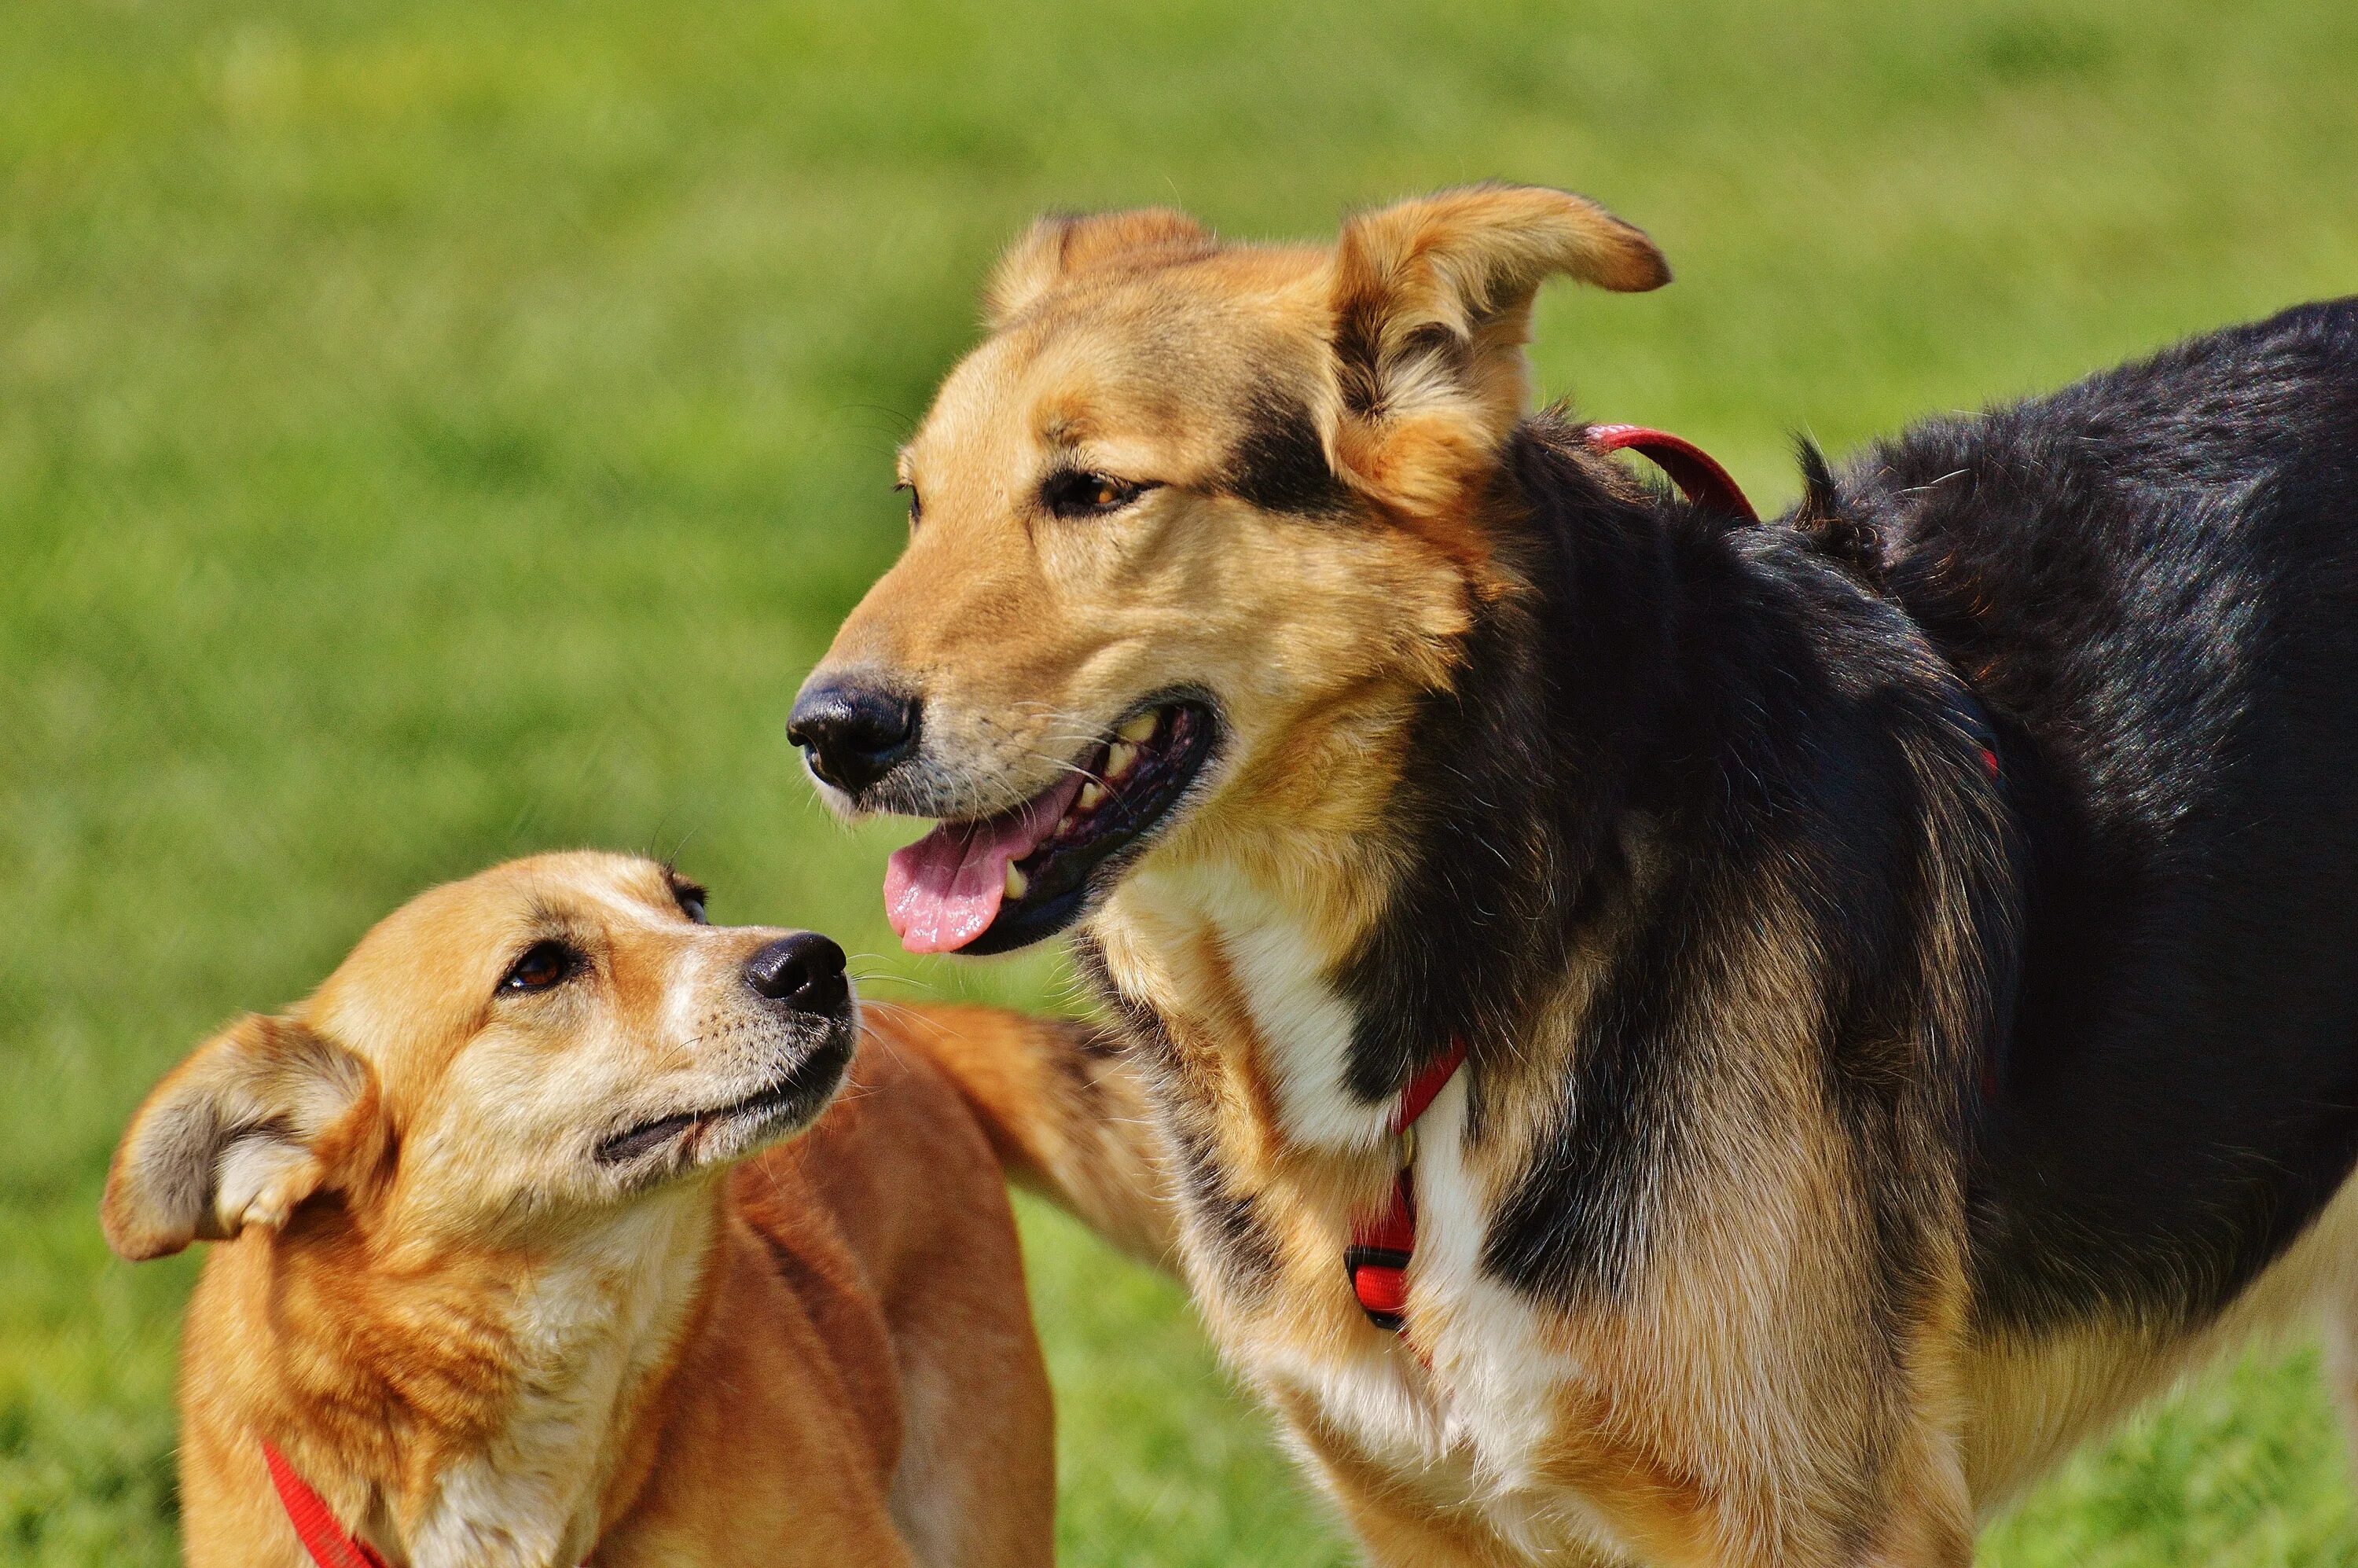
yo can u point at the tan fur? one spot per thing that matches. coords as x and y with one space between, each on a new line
1419 428
1735 1404
479 1351
1065 1115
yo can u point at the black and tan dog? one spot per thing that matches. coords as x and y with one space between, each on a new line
1902 953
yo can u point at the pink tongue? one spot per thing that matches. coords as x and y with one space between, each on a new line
943 892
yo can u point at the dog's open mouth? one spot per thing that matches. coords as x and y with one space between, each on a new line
996 883
793 1098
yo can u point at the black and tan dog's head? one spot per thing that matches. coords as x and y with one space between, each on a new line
1187 532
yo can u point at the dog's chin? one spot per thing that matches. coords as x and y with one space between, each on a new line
682 1142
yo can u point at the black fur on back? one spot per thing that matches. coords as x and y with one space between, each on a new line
2151 581
2134 1042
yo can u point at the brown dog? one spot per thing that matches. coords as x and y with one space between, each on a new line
497 1286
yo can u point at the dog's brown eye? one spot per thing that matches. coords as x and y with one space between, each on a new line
690 899
544 964
916 503
1072 494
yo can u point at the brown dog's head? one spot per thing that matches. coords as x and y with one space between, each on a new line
1185 532
553 1036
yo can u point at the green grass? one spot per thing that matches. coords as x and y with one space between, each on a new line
432 430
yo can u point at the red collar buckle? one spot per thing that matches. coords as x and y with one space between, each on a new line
1376 1260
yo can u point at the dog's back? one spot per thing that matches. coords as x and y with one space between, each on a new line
2151 580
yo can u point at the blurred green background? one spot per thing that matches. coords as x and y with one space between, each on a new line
433 431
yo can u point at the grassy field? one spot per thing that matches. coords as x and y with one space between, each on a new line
432 430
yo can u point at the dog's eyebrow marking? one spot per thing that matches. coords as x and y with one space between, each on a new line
546 920
590 928
542 914
1065 425
1278 464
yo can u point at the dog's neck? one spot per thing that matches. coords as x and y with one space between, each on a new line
472 1407
1433 896
1642 737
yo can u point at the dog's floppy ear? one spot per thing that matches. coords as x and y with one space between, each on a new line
1432 303
257 1118
1061 245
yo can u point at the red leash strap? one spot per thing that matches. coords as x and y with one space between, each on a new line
1695 471
1376 1260
328 1542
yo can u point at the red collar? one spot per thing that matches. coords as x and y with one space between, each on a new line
330 1544
1376 1260
1426 1086
1698 476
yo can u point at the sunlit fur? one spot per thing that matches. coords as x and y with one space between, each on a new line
1684 829
484 1346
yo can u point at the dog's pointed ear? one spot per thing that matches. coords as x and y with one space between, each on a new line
258 1118
1062 245
1432 305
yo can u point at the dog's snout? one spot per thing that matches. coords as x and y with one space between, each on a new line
854 733
805 971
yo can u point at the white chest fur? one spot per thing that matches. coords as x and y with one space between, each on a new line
1470 1424
1305 1024
1482 1339
588 1331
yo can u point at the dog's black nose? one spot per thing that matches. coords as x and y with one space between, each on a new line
855 734
805 971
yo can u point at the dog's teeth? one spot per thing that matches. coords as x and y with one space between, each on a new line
1091 793
1018 884
1139 730
1120 757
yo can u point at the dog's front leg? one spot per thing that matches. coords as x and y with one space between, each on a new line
1927 1517
1930 1520
1397 1528
1396 1531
